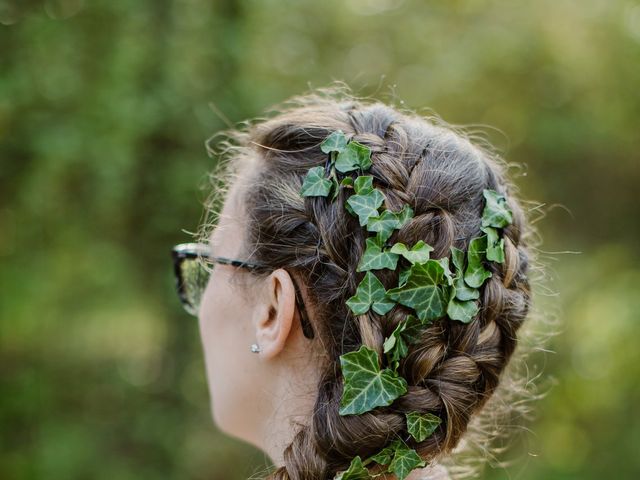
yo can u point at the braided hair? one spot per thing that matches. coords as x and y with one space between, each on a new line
454 368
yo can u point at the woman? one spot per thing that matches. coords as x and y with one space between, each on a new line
277 315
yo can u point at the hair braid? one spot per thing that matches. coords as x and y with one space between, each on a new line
453 368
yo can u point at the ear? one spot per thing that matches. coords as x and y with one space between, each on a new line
275 317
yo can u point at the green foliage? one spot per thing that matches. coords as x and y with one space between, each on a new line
353 157
400 458
496 212
422 425
404 460
366 386
476 273
375 257
495 245
425 290
335 142
462 290
370 294
315 184
463 310
365 205
356 471
388 221
419 253
396 345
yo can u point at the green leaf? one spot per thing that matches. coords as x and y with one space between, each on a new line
476 273
363 184
405 460
349 209
384 224
370 294
315 185
355 155
457 257
423 290
347 182
385 455
422 425
462 290
495 245
388 221
461 310
335 142
365 385
356 471
375 258
335 188
496 211
402 278
404 215
444 261
366 205
405 333
419 253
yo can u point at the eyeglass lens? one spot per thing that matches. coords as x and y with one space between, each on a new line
194 276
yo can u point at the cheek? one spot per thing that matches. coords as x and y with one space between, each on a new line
224 320
218 320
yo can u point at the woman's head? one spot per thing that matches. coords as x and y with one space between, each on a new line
453 368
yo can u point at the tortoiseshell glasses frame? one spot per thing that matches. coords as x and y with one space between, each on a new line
192 277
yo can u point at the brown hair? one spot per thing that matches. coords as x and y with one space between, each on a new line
454 368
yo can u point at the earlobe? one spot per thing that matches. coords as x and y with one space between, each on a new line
276 313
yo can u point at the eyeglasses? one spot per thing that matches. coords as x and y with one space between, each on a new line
192 277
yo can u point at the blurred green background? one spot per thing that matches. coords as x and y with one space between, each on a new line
104 109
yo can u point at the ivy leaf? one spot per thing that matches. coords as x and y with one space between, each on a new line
356 471
388 221
462 290
419 253
347 182
375 258
349 209
365 385
476 273
315 185
384 224
385 455
397 344
405 460
457 257
444 261
335 186
402 278
461 310
354 156
422 425
495 245
496 211
404 215
423 290
366 205
370 294
335 142
363 184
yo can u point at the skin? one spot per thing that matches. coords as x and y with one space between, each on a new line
254 397
258 398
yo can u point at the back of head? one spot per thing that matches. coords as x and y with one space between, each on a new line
454 367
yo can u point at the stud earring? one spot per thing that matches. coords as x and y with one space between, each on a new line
255 348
